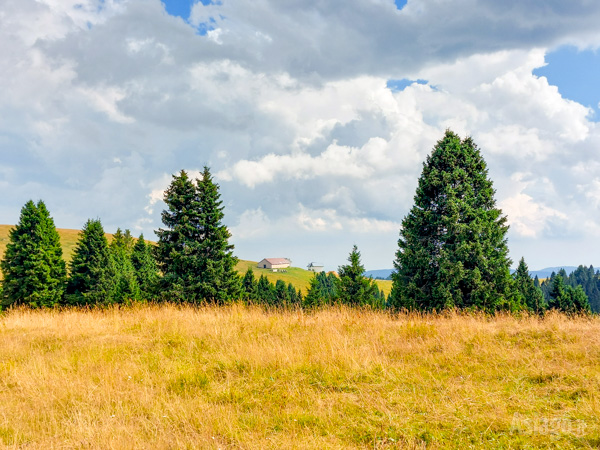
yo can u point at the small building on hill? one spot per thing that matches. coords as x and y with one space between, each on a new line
315 267
274 263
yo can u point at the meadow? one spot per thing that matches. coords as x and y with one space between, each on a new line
165 376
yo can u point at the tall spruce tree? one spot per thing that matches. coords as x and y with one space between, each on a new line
219 280
34 270
532 296
193 251
178 242
452 248
353 287
92 269
145 268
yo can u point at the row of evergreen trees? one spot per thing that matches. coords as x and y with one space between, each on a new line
452 253
35 272
349 287
192 262
585 278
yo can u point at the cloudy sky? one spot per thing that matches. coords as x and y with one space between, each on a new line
314 116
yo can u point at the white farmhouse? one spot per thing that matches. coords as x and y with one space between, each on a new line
315 267
274 263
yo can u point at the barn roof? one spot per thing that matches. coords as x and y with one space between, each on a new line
277 261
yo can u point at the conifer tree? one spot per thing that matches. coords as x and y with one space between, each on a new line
125 286
219 280
316 295
282 296
33 267
565 298
452 250
193 251
322 290
145 268
92 269
532 296
588 279
353 287
178 243
265 291
249 286
294 295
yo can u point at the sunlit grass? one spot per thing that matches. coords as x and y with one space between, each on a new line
171 377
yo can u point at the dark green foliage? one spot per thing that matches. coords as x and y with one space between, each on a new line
565 298
589 280
531 295
34 270
295 296
145 268
265 291
249 285
91 269
352 287
193 250
177 245
452 247
219 278
125 286
282 295
321 291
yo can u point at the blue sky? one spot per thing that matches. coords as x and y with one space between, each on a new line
315 117
576 73
180 8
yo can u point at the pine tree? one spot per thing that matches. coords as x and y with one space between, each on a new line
249 286
145 268
531 295
565 298
352 287
589 280
282 296
193 251
452 248
316 296
91 270
125 286
294 295
34 271
265 291
178 242
322 290
219 280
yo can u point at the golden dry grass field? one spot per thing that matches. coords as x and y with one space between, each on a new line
242 377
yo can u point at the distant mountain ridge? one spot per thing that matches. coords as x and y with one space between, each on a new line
382 274
545 273
542 273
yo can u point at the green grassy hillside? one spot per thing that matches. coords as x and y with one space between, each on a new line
300 278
